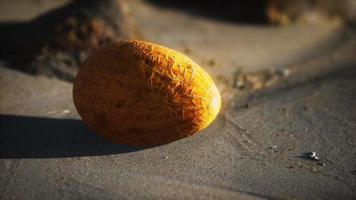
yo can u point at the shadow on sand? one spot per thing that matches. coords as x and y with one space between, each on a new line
35 137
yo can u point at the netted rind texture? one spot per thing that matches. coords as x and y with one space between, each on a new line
142 94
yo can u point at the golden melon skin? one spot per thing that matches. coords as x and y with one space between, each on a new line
142 94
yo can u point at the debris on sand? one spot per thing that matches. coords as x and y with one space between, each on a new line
283 72
59 112
211 62
315 170
187 50
313 155
254 81
274 148
65 111
259 80
300 165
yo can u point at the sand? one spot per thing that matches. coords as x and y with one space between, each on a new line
255 149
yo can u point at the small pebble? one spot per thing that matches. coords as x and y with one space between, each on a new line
313 155
244 128
300 165
283 72
66 111
187 50
273 147
240 84
314 170
211 62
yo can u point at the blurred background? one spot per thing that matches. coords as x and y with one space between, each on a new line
286 70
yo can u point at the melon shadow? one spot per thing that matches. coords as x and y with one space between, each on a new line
37 137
